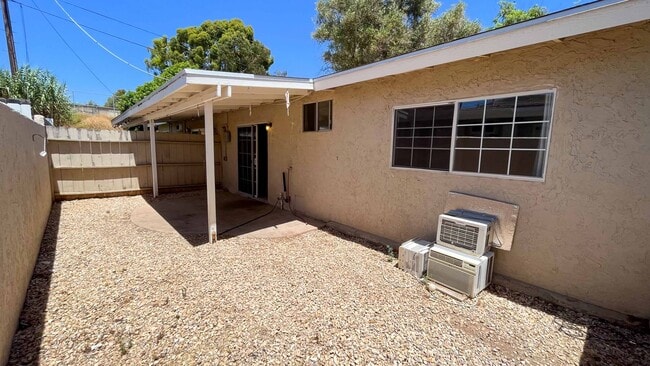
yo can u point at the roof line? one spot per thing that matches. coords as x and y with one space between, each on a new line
509 37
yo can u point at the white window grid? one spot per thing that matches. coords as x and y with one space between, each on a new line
453 148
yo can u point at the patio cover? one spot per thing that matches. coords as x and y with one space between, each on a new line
208 92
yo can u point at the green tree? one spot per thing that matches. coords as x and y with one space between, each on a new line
47 95
509 14
358 32
112 101
453 24
221 45
132 97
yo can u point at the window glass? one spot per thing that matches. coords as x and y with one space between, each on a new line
494 161
444 115
499 136
527 163
499 110
324 115
466 160
418 132
533 107
404 118
309 117
317 116
402 157
471 112
424 117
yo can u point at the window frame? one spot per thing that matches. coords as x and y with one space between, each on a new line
316 105
456 102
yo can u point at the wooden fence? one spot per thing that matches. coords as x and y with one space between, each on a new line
89 163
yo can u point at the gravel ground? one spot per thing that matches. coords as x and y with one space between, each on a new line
108 292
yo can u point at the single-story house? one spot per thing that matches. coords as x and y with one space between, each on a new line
550 114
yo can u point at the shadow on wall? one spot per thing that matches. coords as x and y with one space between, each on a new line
604 342
27 340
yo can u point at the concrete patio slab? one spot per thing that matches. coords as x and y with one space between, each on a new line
186 214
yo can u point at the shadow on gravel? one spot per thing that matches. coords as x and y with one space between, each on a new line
29 335
605 343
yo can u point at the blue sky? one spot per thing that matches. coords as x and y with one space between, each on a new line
285 27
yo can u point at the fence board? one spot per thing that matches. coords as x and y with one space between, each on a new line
87 162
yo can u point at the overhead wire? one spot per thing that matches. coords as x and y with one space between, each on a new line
99 43
22 16
72 49
83 25
111 18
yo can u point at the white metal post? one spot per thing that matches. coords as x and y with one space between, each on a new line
209 172
154 164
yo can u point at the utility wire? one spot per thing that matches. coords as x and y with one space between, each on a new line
22 16
71 49
83 25
99 44
113 19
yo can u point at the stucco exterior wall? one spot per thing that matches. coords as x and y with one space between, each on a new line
583 232
25 204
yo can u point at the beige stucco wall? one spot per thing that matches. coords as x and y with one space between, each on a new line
583 232
24 208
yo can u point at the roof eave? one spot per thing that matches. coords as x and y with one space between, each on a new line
570 22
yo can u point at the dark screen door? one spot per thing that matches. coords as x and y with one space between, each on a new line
246 156
252 160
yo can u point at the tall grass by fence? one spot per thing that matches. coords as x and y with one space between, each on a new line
88 163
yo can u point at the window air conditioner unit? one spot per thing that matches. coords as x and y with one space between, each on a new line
412 257
464 273
466 231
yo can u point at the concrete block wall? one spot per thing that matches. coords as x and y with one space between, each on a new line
25 205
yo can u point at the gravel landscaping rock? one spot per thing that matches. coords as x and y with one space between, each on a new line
105 291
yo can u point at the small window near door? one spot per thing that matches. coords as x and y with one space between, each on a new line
317 117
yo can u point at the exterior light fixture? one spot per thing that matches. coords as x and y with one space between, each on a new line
268 126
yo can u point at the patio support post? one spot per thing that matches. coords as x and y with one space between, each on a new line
154 164
209 172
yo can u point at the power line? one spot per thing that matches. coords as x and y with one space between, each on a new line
86 26
99 44
22 16
113 19
71 49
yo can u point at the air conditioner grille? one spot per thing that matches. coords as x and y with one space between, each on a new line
458 234
447 259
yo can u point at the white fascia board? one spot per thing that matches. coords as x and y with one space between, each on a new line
175 84
579 20
305 84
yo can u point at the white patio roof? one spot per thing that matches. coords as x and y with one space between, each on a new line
187 92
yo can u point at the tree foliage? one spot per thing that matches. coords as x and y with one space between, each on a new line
221 45
509 14
453 24
47 95
132 97
113 100
358 32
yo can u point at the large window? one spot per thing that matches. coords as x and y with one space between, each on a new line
497 136
317 116
423 137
